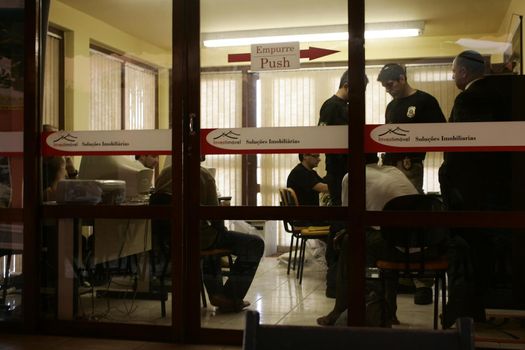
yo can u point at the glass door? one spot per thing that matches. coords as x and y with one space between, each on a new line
273 115
111 234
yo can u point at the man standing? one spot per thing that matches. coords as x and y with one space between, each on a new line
475 180
334 111
305 181
409 105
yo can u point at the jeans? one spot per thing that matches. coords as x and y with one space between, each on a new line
248 250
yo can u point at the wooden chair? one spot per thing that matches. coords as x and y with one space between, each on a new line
301 234
418 238
218 253
285 337
160 254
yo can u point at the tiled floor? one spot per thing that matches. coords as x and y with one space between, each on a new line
280 300
33 342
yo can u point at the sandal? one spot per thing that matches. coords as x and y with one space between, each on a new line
329 320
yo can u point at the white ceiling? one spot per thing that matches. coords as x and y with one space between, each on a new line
151 19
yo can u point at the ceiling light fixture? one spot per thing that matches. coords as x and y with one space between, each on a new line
311 34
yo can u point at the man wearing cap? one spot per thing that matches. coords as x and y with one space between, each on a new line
475 180
409 105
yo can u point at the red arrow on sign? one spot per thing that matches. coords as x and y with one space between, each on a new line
311 53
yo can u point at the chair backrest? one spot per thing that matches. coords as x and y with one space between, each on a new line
410 237
271 337
288 199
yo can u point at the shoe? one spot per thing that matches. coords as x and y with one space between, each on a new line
465 309
329 320
330 293
395 321
226 305
237 307
423 296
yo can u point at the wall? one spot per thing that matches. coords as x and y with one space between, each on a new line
79 31
400 48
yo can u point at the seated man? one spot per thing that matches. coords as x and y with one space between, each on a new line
383 183
305 181
148 160
307 184
248 250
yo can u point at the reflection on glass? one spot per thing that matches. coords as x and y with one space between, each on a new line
455 62
11 102
5 183
120 272
11 271
116 77
271 98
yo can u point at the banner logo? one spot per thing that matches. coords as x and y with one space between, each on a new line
397 131
66 140
230 135
68 137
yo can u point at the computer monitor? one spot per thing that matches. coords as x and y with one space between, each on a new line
137 176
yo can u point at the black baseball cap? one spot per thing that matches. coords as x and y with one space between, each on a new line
391 71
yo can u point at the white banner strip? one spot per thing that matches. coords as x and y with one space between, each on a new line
275 139
446 135
493 136
108 142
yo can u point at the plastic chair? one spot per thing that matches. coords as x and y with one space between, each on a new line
286 337
301 234
417 240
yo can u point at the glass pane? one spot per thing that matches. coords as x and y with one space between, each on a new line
280 293
107 270
11 104
456 71
117 76
11 271
245 88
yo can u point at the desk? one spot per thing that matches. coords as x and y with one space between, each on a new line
113 239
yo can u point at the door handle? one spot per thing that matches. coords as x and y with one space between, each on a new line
192 124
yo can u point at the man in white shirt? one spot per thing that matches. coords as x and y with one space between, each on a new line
383 183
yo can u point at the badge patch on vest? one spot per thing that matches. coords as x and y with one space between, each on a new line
411 112
407 163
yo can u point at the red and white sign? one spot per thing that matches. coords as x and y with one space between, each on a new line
275 56
322 139
311 53
451 137
463 137
107 142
